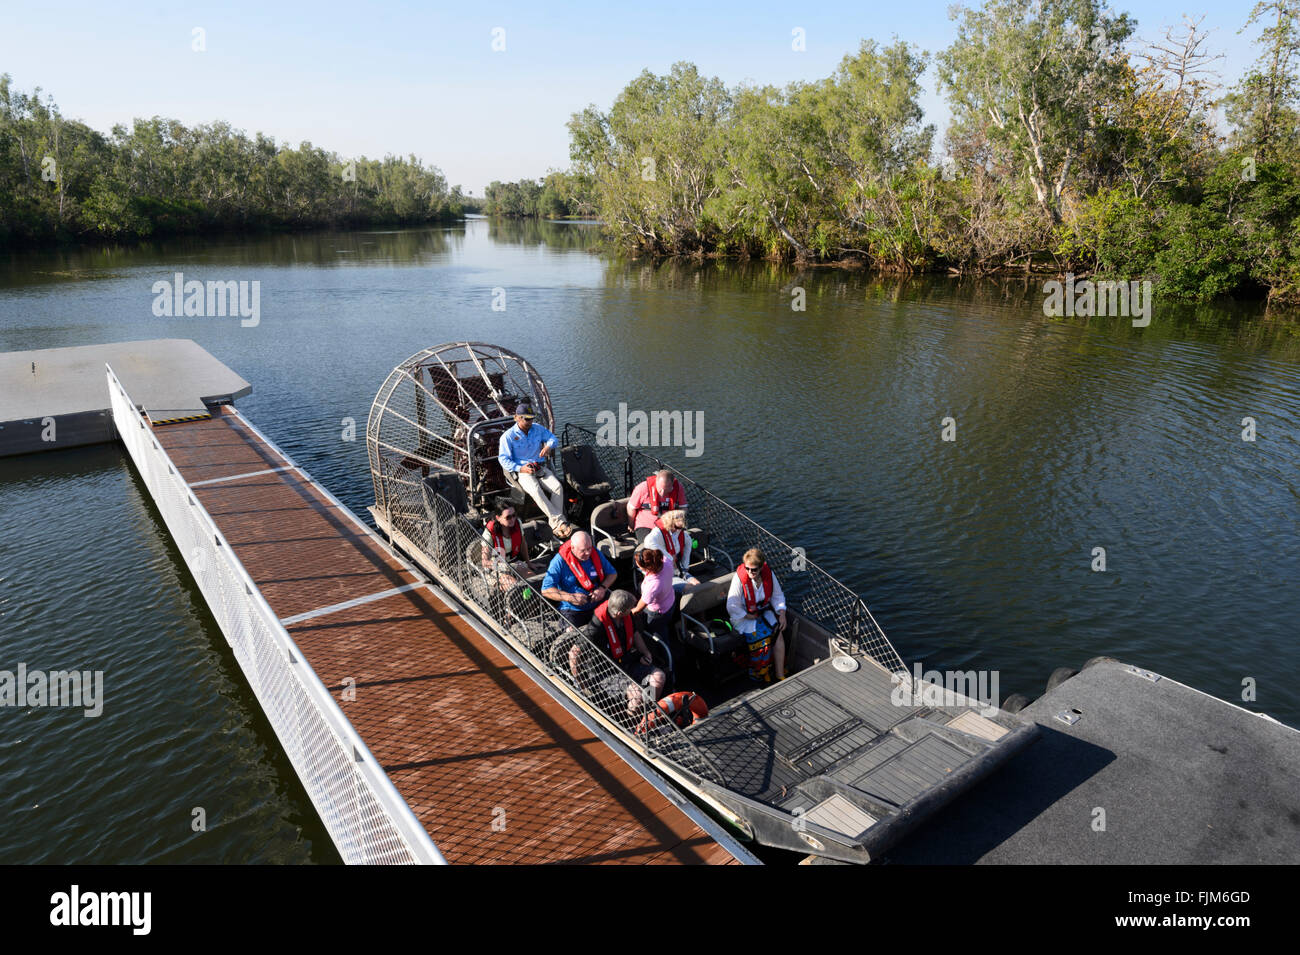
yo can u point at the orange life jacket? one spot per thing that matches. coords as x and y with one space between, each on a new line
674 499
617 647
675 541
747 588
499 540
585 581
683 708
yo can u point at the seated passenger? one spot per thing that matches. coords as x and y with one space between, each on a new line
579 577
522 453
506 550
670 537
653 497
613 630
756 606
658 599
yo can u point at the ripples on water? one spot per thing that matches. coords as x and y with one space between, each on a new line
823 425
92 583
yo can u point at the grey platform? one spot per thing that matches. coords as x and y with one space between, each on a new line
1183 778
170 378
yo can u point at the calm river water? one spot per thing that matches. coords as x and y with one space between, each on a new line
824 424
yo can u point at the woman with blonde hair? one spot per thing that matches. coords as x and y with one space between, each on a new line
756 606
670 537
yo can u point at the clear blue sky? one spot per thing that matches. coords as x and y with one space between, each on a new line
422 78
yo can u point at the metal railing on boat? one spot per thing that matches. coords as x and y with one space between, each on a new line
428 524
809 590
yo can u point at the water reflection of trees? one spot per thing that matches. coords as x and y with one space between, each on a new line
410 247
555 234
1242 322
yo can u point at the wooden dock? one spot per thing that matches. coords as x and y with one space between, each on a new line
494 766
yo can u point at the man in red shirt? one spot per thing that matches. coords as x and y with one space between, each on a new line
658 494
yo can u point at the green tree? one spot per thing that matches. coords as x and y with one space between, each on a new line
654 158
1262 108
59 178
1036 78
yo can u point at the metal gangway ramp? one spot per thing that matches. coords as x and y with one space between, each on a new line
418 737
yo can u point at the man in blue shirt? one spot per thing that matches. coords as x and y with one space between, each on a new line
522 452
579 577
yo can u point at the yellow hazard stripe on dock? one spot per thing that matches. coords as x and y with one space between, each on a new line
193 417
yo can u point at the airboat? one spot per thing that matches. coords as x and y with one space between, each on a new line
840 759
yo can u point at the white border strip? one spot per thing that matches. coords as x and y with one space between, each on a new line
347 604
237 477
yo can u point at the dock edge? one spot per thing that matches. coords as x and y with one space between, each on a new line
366 817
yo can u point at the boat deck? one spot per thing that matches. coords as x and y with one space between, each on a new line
839 751
496 769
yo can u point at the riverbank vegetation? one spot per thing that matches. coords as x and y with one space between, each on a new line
60 179
1073 146
561 195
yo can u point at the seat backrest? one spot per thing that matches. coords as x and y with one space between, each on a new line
536 533
580 463
611 517
447 485
706 599
476 551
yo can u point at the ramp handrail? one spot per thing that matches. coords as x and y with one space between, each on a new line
365 815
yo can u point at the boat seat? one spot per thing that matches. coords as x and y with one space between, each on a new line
582 471
703 566
477 579
448 486
515 491
610 532
515 605
521 610
537 536
475 553
705 624
599 678
540 545
558 653
702 562
707 597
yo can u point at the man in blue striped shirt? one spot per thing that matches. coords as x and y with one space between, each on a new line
522 452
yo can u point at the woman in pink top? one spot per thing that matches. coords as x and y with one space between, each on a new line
658 599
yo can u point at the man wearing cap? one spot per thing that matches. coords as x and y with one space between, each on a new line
522 452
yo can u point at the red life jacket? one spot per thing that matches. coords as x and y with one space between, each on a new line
747 588
675 541
616 647
585 581
675 498
499 541
683 708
